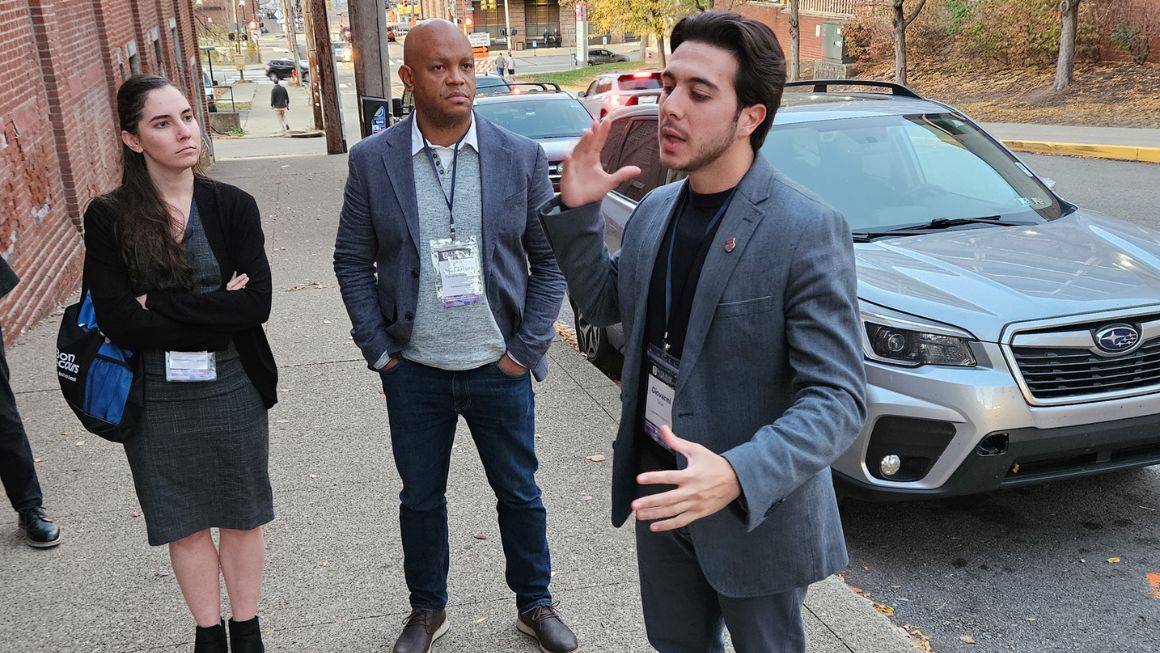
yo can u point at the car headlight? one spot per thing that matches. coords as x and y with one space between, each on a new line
892 344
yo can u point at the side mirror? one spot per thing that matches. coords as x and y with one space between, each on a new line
1049 182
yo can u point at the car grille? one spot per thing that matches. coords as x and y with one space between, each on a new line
1056 373
555 171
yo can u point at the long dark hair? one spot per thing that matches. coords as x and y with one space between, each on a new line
760 62
144 223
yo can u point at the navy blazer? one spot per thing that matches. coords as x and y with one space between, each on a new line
376 253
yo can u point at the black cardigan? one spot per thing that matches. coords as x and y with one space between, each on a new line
178 319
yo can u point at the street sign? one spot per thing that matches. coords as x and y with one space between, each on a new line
479 39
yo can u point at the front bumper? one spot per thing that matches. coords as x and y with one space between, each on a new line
975 408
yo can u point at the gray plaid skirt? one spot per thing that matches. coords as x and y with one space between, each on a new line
200 456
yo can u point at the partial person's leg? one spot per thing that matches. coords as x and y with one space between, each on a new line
766 624
196 567
17 468
422 418
243 556
681 612
500 411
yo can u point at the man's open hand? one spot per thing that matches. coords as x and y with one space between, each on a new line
707 485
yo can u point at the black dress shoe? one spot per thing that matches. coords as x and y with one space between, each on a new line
211 640
246 636
39 531
420 631
545 625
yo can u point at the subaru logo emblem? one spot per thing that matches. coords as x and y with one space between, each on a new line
1117 338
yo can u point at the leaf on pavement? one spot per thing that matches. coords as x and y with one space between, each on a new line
598 458
967 639
1114 560
884 609
481 535
1154 581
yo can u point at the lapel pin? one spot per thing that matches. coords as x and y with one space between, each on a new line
730 244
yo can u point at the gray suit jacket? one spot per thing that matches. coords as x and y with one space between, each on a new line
771 376
376 253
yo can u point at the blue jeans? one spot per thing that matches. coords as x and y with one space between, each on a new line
423 407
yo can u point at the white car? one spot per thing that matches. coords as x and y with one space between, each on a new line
612 91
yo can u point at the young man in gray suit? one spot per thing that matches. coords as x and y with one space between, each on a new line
437 235
743 376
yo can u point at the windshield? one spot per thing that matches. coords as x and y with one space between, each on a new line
886 172
539 119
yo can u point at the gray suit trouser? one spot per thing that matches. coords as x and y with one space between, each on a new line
684 614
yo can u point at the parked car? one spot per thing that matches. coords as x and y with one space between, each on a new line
612 91
277 69
485 85
343 51
550 117
1010 337
601 56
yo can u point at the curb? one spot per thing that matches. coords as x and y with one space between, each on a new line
1116 152
853 620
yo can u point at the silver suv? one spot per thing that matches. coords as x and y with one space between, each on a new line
1010 337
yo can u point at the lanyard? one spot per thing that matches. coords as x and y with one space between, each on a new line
447 197
672 243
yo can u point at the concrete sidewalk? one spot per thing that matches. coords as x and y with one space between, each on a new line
1121 143
334 578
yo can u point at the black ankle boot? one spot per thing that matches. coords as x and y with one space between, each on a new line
211 640
246 636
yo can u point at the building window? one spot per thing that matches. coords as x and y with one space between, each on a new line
120 64
158 64
490 21
542 22
134 61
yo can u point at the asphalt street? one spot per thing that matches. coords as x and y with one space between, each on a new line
1028 570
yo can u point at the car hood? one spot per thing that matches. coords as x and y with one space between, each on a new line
983 279
558 148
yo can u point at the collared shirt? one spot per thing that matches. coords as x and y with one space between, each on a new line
444 153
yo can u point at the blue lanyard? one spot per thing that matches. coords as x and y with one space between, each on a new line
672 243
447 197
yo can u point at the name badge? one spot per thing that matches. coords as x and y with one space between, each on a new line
459 276
190 366
662 388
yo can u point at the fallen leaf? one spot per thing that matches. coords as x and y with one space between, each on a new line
37 460
598 458
327 322
1154 581
865 567
1114 560
313 476
481 620
80 443
324 563
967 639
1032 619
481 535
884 609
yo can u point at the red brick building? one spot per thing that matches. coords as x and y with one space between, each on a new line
812 15
61 62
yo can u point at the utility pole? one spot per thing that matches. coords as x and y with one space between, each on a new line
312 62
239 58
291 34
507 25
372 61
328 84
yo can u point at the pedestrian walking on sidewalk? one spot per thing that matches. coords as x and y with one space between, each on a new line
176 267
280 102
453 293
501 64
743 377
17 466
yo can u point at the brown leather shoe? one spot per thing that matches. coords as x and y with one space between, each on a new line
549 630
420 631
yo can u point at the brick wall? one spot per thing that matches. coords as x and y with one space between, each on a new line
778 21
61 63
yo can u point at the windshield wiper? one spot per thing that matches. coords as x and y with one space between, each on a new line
937 223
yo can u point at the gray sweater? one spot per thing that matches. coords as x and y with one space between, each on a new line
463 337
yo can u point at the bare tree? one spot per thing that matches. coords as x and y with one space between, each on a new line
900 22
1065 66
795 41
